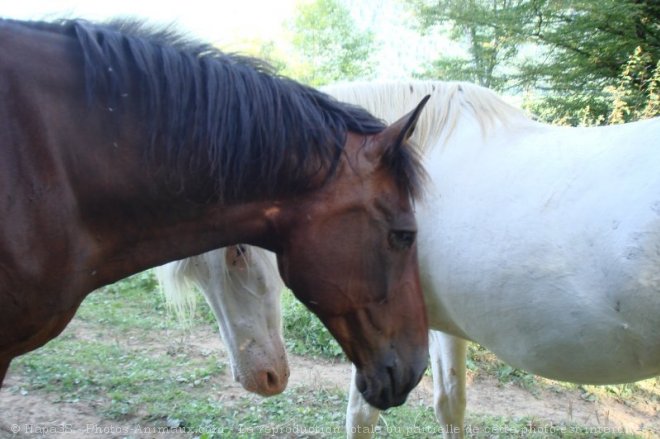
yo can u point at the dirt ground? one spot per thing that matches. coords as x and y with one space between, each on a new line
26 415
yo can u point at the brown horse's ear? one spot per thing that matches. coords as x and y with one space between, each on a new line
399 132
236 256
406 125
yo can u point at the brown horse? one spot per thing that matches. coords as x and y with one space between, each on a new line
122 148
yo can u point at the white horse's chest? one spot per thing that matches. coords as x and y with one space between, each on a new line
549 246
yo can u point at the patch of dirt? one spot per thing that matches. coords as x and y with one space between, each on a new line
35 414
487 396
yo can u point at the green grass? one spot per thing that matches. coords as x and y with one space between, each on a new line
482 362
419 422
112 367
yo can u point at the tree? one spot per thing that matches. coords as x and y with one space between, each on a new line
582 48
331 44
590 46
492 30
635 96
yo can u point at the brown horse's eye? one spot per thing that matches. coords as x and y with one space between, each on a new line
401 239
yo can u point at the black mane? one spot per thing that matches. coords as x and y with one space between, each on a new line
224 117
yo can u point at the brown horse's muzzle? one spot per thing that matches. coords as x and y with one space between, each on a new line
390 361
388 383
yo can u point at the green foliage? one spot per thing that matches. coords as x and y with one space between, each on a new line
481 361
637 92
330 43
570 52
602 61
635 95
492 30
589 41
136 284
136 293
304 333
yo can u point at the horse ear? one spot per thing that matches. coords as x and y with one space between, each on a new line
237 256
400 131
406 125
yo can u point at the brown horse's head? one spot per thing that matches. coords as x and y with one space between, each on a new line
351 258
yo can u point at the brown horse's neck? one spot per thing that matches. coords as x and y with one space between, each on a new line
77 219
74 186
102 213
146 219
162 230
163 242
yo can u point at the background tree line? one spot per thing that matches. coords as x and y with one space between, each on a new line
589 61
574 61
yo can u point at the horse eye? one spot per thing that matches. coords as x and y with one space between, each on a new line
401 239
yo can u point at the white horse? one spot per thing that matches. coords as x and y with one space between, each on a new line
242 286
541 243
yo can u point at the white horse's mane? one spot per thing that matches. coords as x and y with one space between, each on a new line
449 100
179 282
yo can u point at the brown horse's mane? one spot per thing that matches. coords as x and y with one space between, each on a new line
226 118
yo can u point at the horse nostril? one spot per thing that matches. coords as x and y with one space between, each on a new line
271 383
271 380
393 390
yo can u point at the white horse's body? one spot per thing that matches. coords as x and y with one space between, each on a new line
541 243
242 286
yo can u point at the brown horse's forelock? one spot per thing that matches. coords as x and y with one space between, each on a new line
224 117
405 163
